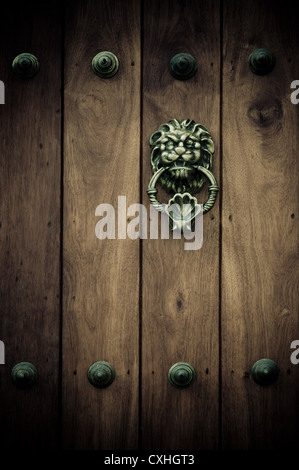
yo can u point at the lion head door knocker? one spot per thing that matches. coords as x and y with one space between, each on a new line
181 158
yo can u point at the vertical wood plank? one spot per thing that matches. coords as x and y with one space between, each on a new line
101 277
260 226
180 288
30 224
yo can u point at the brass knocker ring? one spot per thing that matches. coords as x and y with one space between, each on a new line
213 189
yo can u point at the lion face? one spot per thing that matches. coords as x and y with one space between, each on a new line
181 146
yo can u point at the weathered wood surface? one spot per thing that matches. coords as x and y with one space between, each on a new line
69 299
30 225
180 288
260 226
101 277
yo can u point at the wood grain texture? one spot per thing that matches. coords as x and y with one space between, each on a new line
260 226
30 225
169 309
101 277
180 288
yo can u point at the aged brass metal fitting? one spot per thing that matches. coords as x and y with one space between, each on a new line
181 158
261 61
24 375
25 65
265 372
182 66
105 64
181 375
101 374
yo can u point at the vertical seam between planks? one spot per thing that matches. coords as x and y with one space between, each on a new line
60 393
140 240
220 225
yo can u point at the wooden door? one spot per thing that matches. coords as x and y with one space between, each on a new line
72 141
